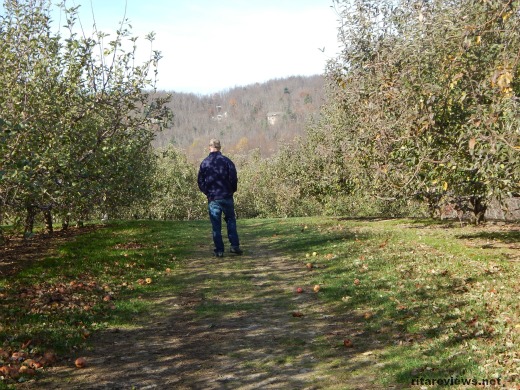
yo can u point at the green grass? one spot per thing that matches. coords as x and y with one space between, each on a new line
440 307
54 301
433 300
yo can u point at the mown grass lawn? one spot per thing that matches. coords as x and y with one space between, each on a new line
440 300
443 299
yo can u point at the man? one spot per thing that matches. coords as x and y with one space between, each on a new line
218 181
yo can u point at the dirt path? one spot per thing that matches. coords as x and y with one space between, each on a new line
232 329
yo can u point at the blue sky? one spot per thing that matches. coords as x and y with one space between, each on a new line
212 45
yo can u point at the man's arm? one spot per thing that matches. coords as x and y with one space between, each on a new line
233 178
201 180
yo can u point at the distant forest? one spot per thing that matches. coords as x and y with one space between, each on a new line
258 116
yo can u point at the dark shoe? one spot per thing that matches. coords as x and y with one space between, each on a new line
218 254
236 250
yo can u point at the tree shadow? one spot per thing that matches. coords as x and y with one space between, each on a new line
508 237
397 327
229 328
228 323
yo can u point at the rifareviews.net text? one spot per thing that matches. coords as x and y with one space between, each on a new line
455 382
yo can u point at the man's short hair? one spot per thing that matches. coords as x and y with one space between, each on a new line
214 143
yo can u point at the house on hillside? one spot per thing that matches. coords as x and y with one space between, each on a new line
219 117
273 117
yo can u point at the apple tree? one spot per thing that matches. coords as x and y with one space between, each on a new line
426 93
77 119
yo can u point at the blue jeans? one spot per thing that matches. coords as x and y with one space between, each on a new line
216 208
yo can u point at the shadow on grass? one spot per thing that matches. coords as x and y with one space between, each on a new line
229 327
249 349
78 287
304 236
206 338
410 319
508 237
426 223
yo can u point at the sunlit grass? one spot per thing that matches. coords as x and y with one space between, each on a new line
93 279
429 300
440 307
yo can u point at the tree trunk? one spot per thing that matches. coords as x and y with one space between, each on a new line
65 224
433 202
2 239
29 221
48 220
479 208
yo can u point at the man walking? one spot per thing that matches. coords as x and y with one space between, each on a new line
218 181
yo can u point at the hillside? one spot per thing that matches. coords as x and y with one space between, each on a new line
244 118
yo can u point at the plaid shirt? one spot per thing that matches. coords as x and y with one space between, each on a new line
217 177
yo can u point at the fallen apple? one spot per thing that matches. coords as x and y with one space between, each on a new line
316 288
31 363
299 290
148 280
309 266
26 370
14 372
348 343
18 356
50 357
80 362
357 282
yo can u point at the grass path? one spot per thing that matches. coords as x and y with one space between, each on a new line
413 299
232 326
